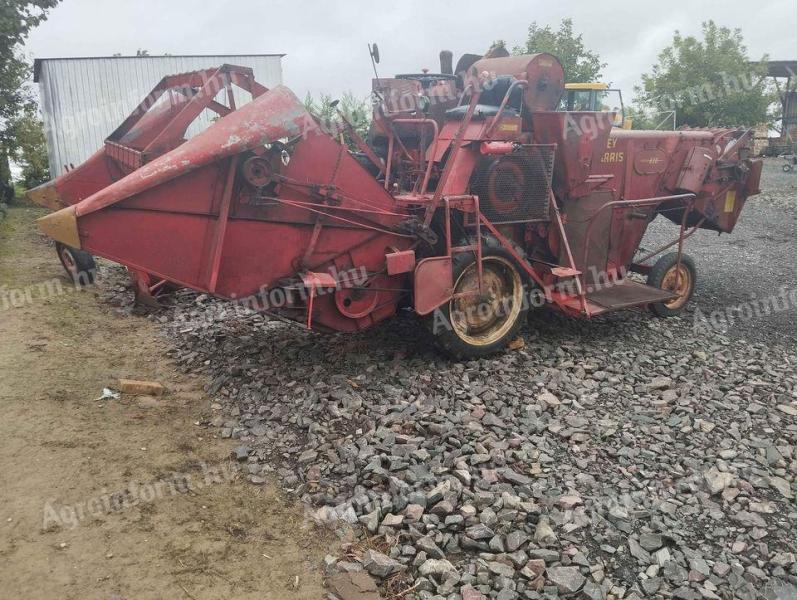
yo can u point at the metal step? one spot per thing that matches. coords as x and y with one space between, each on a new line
565 272
618 295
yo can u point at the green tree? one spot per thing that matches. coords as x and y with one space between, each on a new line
643 118
17 19
709 82
356 110
580 64
6 186
30 149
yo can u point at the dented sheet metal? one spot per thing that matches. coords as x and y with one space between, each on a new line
277 114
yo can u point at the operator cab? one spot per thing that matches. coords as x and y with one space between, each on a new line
596 97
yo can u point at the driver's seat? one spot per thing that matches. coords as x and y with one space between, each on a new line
490 100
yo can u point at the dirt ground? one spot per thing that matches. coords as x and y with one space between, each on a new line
64 531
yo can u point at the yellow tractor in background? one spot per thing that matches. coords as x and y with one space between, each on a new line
597 97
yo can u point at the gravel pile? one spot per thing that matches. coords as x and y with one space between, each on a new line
626 457
755 262
779 188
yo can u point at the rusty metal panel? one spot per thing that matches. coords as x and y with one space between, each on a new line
84 99
434 283
627 293
274 115
400 262
577 216
581 139
694 171
650 161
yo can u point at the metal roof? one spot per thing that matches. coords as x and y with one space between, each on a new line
779 68
37 63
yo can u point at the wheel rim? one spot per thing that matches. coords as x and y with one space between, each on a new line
678 281
483 320
69 262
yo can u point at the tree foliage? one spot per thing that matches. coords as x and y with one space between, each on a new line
30 149
580 64
17 19
647 119
17 107
356 110
6 187
709 82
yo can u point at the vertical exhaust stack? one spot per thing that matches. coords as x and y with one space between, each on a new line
447 62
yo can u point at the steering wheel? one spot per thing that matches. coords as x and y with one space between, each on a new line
427 78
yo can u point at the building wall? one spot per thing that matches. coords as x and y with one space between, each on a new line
84 100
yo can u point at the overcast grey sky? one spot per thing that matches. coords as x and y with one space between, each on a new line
326 42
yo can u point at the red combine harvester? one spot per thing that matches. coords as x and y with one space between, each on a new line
471 200
157 125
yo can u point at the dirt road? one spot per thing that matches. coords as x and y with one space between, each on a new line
122 498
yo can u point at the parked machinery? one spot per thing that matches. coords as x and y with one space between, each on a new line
160 123
471 200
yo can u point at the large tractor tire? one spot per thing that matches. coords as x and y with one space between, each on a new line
79 264
666 276
475 326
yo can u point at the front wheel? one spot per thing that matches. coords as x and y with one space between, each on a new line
666 275
787 168
79 264
473 324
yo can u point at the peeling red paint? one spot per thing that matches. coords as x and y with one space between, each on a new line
275 115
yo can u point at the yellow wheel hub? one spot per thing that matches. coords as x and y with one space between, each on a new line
481 319
678 281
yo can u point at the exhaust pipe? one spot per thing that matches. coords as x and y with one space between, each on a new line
447 62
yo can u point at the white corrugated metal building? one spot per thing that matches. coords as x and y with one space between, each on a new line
83 100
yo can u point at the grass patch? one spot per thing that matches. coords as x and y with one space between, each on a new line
19 262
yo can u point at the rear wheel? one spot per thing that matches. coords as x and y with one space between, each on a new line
666 275
79 264
787 168
472 325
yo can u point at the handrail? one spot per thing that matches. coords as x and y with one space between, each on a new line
455 148
616 203
504 102
436 132
653 253
580 285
